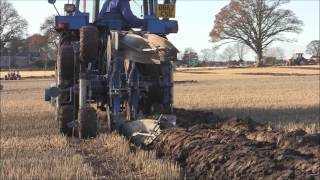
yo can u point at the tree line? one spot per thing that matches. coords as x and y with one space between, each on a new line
248 24
256 23
14 40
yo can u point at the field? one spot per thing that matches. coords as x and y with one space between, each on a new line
286 98
32 148
31 74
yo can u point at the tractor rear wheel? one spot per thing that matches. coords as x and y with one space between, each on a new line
88 123
65 63
65 72
89 37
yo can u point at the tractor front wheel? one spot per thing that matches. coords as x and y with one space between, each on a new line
65 63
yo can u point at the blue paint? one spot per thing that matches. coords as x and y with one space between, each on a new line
157 26
73 22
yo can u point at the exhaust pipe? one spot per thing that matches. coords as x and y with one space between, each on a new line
95 10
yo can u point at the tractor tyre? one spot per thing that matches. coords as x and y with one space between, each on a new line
88 123
89 37
67 71
65 116
65 63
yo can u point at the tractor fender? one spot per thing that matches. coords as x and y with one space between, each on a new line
137 49
147 49
159 41
167 51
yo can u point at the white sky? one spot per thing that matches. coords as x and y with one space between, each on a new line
195 19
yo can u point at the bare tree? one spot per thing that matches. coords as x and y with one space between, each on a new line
256 23
48 29
12 26
229 53
241 50
313 48
208 54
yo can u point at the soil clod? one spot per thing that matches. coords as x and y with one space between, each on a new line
240 149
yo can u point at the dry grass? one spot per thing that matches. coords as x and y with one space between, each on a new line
114 158
285 97
32 148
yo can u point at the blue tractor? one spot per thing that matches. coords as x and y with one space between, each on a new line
106 67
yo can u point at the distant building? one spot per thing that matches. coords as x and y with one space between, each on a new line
19 61
269 60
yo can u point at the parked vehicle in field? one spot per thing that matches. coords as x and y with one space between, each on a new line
12 75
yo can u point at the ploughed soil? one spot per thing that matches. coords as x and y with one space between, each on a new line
209 147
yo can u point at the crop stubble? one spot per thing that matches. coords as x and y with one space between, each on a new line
31 146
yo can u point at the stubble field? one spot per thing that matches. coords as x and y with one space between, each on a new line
286 97
31 146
